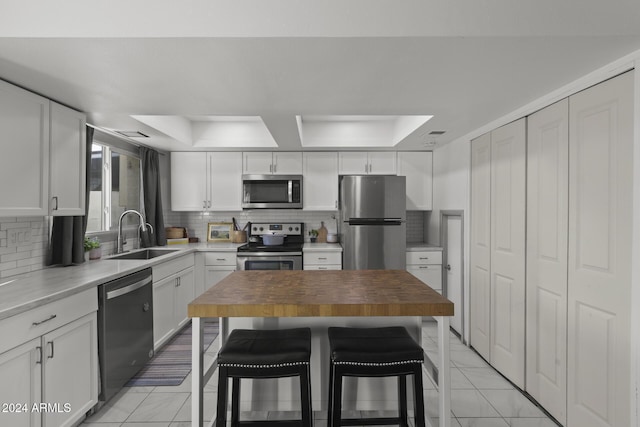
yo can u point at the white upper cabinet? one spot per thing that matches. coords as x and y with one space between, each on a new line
267 163
225 182
206 181
418 168
43 171
320 181
24 164
367 163
67 182
189 181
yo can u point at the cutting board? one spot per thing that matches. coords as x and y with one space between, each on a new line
322 233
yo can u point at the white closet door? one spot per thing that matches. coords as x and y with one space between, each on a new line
547 234
480 251
600 225
508 162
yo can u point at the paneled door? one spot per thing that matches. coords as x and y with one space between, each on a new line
453 264
600 225
547 234
508 180
480 251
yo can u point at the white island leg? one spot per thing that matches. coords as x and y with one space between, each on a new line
444 372
197 360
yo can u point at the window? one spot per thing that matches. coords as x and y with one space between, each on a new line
114 187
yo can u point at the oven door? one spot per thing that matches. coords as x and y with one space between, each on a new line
269 261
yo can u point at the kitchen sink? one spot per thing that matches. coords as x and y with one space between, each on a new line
143 254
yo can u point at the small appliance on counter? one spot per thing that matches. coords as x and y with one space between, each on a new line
272 246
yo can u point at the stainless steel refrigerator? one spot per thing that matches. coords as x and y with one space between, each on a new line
373 215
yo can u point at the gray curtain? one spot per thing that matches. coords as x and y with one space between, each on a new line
151 197
67 232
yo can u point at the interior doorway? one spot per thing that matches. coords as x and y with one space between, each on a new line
452 240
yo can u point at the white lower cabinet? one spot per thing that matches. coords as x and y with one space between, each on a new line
326 260
173 289
51 379
218 265
426 266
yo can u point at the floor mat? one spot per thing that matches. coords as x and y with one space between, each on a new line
172 363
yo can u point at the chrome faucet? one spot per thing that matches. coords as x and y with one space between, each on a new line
142 227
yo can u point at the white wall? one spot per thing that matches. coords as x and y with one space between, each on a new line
451 168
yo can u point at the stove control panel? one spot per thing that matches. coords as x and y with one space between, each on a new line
289 229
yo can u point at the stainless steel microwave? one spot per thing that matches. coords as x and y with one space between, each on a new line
272 191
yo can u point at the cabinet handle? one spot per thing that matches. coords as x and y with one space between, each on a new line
55 198
39 359
424 267
53 316
177 282
270 168
336 204
275 168
221 259
50 343
322 268
204 204
320 257
424 257
370 167
366 167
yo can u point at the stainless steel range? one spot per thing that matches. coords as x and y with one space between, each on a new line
261 254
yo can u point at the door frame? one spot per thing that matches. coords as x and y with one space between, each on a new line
444 215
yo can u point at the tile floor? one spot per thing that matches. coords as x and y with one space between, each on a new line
480 397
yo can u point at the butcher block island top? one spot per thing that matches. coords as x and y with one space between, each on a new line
320 293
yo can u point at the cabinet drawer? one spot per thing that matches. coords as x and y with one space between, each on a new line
322 258
168 268
424 257
25 326
322 267
220 258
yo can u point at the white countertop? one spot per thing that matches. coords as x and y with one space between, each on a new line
30 290
322 247
414 247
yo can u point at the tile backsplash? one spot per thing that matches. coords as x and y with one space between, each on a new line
196 222
23 244
24 240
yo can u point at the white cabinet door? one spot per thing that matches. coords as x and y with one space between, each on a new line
353 163
601 155
418 168
480 250
67 181
258 163
287 163
189 189
382 163
429 274
163 310
21 379
508 187
24 171
225 171
214 274
547 233
70 359
320 181
185 293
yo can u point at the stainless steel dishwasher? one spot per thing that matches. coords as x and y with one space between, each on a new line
125 329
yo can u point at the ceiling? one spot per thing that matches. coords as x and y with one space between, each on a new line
466 63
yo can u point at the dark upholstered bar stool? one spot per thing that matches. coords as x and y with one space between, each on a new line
251 353
375 352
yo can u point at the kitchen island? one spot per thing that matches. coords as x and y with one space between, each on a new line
319 299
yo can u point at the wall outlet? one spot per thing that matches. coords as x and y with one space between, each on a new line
18 236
